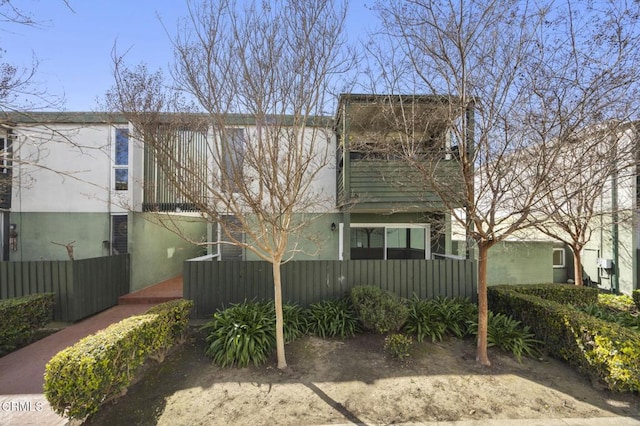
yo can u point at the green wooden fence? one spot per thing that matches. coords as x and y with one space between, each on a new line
213 285
82 287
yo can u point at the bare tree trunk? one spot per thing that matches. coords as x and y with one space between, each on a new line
277 290
481 355
577 266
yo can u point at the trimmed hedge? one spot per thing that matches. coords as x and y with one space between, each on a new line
602 350
101 366
379 310
22 317
636 298
565 294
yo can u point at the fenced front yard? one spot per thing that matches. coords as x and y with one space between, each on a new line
82 287
214 285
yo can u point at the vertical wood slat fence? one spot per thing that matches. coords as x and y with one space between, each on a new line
215 285
82 287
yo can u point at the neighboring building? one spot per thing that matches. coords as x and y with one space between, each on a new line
604 159
610 258
79 180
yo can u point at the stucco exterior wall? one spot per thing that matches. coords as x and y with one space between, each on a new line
37 231
63 168
157 253
513 262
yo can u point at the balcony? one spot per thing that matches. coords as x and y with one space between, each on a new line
374 172
388 186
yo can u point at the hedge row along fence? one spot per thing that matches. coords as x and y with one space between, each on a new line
22 317
603 350
101 366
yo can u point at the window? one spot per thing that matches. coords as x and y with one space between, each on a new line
390 242
119 234
232 150
121 163
5 150
558 258
367 243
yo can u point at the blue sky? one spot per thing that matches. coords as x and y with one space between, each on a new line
74 47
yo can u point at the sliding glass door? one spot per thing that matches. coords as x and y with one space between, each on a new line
396 241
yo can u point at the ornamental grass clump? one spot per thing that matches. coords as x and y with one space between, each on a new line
332 318
241 335
437 318
509 335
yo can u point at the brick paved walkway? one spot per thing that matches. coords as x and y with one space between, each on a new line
22 372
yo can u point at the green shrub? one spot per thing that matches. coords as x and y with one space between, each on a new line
423 320
600 349
398 345
636 298
619 302
379 310
509 335
295 322
172 323
332 318
242 334
99 367
623 318
456 313
435 318
22 317
566 294
600 311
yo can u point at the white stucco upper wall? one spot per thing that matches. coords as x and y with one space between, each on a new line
69 168
62 168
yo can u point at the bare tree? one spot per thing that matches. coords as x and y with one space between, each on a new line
262 75
19 90
591 167
481 61
584 84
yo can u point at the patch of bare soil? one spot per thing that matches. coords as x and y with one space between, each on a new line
334 381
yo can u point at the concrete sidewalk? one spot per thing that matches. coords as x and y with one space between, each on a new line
22 372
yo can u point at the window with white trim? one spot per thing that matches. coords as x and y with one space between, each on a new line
558 258
121 160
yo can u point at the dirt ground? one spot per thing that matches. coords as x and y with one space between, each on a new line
333 381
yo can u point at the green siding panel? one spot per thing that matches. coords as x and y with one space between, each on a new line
393 184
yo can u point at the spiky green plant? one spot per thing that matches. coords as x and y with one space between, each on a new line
435 318
509 335
332 318
241 334
424 320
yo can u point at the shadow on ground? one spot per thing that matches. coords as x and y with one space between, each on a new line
333 381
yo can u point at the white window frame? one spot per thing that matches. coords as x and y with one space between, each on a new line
563 257
425 226
114 166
